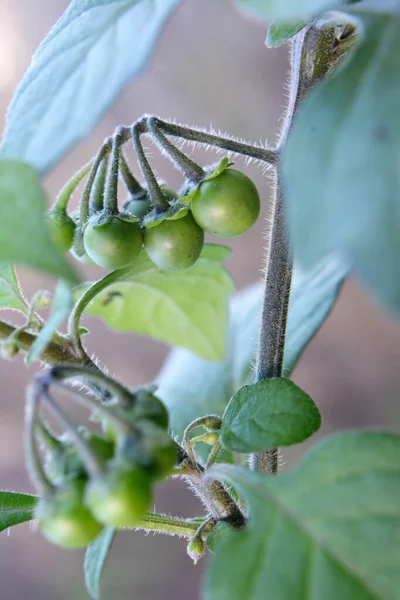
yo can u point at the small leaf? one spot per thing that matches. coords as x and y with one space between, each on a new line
280 32
192 387
77 72
24 237
267 414
95 558
10 292
343 193
15 508
61 307
327 530
186 308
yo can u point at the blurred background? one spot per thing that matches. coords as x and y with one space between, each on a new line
210 68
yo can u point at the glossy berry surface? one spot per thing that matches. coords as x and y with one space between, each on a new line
120 498
228 205
175 244
113 245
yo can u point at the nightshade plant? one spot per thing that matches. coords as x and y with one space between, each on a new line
327 529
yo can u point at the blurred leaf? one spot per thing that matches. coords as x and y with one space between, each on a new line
187 308
192 387
280 32
10 292
327 530
78 70
61 307
267 414
286 10
24 237
312 297
344 193
15 508
95 558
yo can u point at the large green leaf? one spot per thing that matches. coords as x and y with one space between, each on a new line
267 414
287 10
61 307
95 558
15 508
327 530
10 292
280 32
78 70
192 387
344 193
186 308
24 237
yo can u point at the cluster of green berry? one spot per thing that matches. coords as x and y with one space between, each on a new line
221 201
86 480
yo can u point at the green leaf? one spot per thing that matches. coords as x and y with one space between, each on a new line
280 32
61 307
267 414
286 10
10 291
186 308
24 237
95 558
192 387
312 297
329 529
15 508
77 72
343 193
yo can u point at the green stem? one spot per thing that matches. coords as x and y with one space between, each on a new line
132 185
267 155
85 198
67 191
54 352
34 464
186 528
65 372
80 306
48 440
89 457
154 190
97 196
192 171
111 187
314 53
92 404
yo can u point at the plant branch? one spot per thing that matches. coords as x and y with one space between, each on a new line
314 53
154 190
169 525
52 354
231 145
82 303
192 171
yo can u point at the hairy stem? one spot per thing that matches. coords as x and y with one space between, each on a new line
97 194
85 198
133 186
313 55
88 296
169 525
231 145
154 190
66 192
53 353
33 460
192 171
